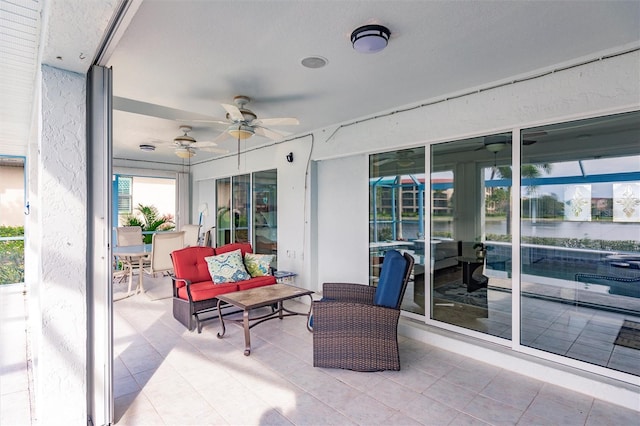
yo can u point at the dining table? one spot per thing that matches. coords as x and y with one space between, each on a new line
135 253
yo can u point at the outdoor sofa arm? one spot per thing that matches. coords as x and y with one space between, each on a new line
186 282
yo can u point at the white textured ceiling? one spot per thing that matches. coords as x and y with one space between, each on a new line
60 33
19 40
178 60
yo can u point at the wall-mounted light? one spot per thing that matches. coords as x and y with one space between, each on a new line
290 157
370 38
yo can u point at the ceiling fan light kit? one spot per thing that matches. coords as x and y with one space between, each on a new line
370 38
495 143
241 131
495 146
185 152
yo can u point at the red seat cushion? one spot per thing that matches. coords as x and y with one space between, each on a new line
207 290
256 282
244 248
189 264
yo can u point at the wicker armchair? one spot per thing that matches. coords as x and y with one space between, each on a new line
355 326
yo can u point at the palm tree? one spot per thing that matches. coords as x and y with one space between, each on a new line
527 171
150 220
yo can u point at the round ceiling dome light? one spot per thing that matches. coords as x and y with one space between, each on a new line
314 62
147 147
370 38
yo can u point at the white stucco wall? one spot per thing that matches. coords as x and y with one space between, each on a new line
597 88
61 384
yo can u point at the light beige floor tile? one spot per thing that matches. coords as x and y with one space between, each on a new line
492 411
411 377
606 414
135 409
359 380
472 380
392 394
450 394
429 411
517 392
310 411
366 410
125 385
558 411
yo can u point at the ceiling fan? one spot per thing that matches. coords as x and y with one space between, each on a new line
186 146
497 143
404 158
242 123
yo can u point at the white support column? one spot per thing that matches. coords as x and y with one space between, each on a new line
62 197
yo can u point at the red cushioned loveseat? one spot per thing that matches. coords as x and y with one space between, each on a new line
194 293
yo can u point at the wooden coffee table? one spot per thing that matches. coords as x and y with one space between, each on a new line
260 297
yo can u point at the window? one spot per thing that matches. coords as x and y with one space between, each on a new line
396 216
247 210
470 234
265 212
124 195
580 251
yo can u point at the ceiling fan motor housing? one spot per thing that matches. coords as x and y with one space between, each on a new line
248 115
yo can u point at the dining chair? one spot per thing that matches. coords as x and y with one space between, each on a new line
191 235
127 236
162 244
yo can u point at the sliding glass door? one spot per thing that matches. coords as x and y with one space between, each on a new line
470 240
396 216
246 210
580 233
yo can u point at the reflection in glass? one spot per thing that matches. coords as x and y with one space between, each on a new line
265 212
396 216
223 211
580 263
241 196
471 234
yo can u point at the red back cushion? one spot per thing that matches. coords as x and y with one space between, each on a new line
244 248
189 263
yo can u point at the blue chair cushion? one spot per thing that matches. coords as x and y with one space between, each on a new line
391 280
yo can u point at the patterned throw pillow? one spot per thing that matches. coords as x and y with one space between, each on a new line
258 265
227 267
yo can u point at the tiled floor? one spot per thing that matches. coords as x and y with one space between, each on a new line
15 406
167 375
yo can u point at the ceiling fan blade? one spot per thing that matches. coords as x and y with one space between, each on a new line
284 121
385 161
233 112
214 150
268 133
205 144
222 136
